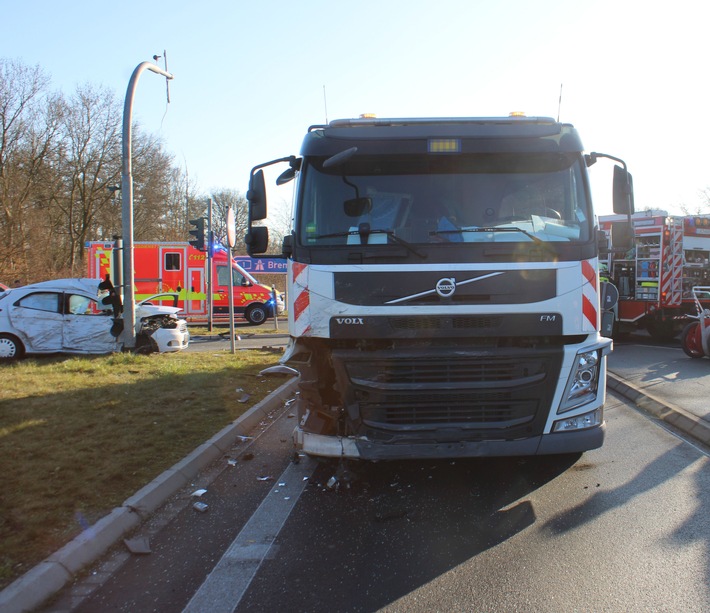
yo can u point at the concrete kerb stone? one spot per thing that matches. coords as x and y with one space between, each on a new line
51 575
676 416
34 587
96 539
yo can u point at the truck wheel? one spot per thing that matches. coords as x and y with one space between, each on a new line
691 339
11 348
661 331
256 314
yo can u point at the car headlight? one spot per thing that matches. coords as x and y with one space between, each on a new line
583 382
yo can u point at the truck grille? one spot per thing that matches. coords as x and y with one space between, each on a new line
485 411
441 371
502 396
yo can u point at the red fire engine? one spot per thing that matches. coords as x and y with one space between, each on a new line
655 278
180 268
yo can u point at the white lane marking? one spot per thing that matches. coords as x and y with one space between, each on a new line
225 586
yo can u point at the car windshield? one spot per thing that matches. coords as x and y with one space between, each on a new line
428 199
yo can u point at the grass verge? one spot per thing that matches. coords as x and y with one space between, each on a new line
79 435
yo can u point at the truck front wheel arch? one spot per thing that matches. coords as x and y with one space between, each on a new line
256 314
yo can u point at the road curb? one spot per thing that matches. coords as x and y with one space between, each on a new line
690 424
49 576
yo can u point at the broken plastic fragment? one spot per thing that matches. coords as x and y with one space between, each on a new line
232 462
139 545
332 482
200 506
279 370
198 493
269 478
244 398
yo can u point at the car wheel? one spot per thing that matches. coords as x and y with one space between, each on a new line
256 314
11 348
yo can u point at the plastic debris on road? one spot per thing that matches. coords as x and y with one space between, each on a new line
198 493
269 478
138 546
200 506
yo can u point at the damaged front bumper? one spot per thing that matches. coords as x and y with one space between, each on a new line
362 448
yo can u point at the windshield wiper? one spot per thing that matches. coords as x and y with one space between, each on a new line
532 237
364 232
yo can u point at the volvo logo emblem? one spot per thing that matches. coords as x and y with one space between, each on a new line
446 287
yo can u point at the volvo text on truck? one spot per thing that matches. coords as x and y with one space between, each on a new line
443 287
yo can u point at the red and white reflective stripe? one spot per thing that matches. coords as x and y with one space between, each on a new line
302 298
590 297
672 268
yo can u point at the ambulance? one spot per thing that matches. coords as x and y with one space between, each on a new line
177 267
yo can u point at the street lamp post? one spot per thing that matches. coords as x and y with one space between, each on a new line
129 305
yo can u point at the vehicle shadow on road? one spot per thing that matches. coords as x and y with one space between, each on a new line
679 368
396 527
664 468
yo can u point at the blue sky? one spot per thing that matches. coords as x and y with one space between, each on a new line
250 75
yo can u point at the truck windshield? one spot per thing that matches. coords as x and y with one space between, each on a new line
426 199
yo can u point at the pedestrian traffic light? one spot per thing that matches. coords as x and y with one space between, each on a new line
198 242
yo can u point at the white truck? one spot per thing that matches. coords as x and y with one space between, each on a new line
444 295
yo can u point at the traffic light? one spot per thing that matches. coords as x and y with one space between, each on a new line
198 242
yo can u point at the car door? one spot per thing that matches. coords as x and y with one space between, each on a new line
38 317
86 326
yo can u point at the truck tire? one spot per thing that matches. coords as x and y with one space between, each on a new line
661 331
691 339
11 348
256 314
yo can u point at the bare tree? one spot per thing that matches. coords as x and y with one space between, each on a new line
90 161
26 134
182 204
222 201
702 207
60 171
152 186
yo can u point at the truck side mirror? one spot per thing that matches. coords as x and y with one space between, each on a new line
257 240
623 191
603 242
256 196
622 236
287 246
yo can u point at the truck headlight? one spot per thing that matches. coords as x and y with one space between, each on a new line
583 382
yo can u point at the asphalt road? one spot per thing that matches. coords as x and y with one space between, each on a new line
663 369
622 528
